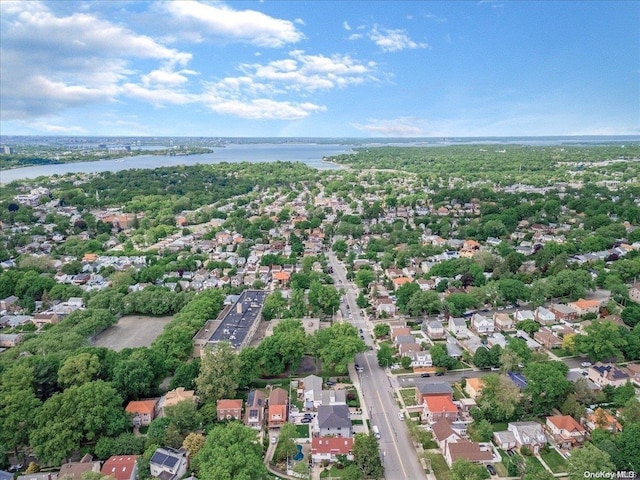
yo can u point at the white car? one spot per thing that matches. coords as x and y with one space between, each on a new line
401 415
585 364
274 440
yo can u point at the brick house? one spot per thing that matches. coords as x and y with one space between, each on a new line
143 411
229 409
566 432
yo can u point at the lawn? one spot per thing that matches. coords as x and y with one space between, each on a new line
439 466
499 426
334 472
408 396
533 464
303 431
561 352
555 461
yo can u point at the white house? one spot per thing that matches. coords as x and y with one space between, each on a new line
544 316
482 324
435 329
458 326
173 463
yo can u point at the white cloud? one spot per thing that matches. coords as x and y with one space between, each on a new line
221 22
51 63
57 129
398 127
346 25
393 40
261 108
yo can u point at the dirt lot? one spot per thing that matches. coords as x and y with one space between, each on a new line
132 331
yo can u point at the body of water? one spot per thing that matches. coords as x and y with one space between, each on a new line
309 154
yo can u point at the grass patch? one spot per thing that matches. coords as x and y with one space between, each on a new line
499 426
357 422
408 396
303 430
439 467
555 461
333 472
352 398
561 352
501 470
533 464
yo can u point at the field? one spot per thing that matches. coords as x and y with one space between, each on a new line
132 331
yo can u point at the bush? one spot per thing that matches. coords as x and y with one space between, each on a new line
525 451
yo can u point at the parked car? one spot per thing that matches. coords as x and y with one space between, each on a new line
585 364
425 375
306 420
274 440
439 374
401 415
330 383
492 470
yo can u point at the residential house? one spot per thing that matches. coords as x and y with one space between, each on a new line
521 315
420 359
528 434
328 448
229 409
563 313
473 387
607 374
503 321
10 304
254 409
10 339
481 324
633 369
278 410
601 419
634 292
466 450
582 306
333 397
566 432
435 329
385 307
312 391
505 440
544 316
437 407
173 397
454 350
121 467
334 420
169 464
443 433
74 470
547 338
424 389
399 332
143 411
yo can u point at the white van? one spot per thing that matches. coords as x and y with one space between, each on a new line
376 432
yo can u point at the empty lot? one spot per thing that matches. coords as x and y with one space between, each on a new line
132 331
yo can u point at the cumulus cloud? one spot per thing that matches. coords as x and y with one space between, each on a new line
221 22
393 40
50 63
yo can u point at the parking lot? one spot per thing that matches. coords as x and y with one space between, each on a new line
132 331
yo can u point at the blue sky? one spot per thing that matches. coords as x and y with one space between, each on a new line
320 68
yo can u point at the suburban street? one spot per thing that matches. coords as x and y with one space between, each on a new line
398 454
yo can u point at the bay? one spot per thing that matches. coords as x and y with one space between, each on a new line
309 154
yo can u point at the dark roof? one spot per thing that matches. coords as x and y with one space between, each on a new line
438 388
333 416
167 457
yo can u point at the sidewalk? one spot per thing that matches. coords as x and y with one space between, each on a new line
363 405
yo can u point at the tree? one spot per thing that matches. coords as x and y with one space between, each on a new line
364 277
628 443
194 443
184 416
133 374
465 470
603 340
286 447
219 370
77 415
230 452
124 444
338 345
631 314
499 398
405 362
79 369
588 459
547 385
512 290
274 306
631 412
404 294
572 407
482 358
529 326
381 330
385 355
424 303
366 455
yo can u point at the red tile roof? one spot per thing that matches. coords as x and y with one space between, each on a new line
141 406
120 466
440 403
336 445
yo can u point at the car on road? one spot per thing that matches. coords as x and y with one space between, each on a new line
585 364
425 375
492 470
401 415
274 440
360 331
439 374
370 347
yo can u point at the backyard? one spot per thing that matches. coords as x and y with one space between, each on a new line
439 467
556 462
408 396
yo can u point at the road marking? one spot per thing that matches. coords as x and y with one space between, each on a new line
389 428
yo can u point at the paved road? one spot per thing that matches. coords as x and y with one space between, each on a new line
398 454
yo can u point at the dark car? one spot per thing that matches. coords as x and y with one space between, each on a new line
305 420
330 383
492 470
439 374
425 375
